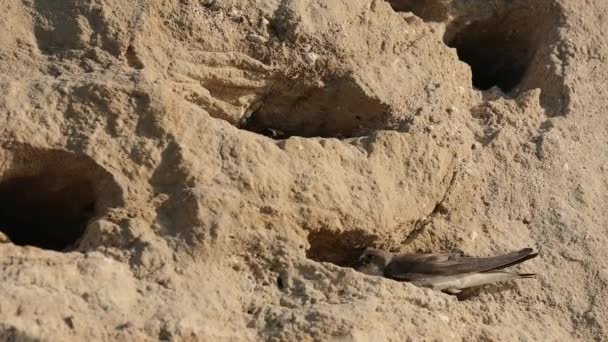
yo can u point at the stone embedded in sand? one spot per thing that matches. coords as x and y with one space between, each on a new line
311 58
256 38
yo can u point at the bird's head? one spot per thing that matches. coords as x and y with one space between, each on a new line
373 261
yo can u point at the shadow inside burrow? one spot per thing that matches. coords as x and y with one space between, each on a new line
338 109
40 211
499 49
339 248
48 197
427 10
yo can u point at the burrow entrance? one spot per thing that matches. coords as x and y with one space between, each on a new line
39 212
500 48
47 197
338 109
339 248
427 10
345 248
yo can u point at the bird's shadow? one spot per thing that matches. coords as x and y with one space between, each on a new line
490 289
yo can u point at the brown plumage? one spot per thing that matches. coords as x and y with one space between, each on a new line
446 272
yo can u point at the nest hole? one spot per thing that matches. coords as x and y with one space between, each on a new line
427 10
339 109
339 248
38 211
48 198
499 50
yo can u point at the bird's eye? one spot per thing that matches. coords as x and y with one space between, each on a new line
365 259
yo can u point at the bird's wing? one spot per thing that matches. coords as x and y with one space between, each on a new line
413 267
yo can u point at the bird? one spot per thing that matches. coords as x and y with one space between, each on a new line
451 273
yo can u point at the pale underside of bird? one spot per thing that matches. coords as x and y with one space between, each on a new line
450 272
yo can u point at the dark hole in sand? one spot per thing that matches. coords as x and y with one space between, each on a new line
427 10
45 211
338 109
498 50
339 248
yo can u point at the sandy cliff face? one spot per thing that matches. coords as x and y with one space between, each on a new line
208 170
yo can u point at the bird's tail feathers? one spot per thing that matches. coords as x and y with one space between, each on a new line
527 255
526 275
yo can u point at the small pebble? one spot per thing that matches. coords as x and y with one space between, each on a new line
311 58
604 275
236 16
256 38
4 238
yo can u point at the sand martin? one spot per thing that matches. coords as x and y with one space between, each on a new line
450 273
